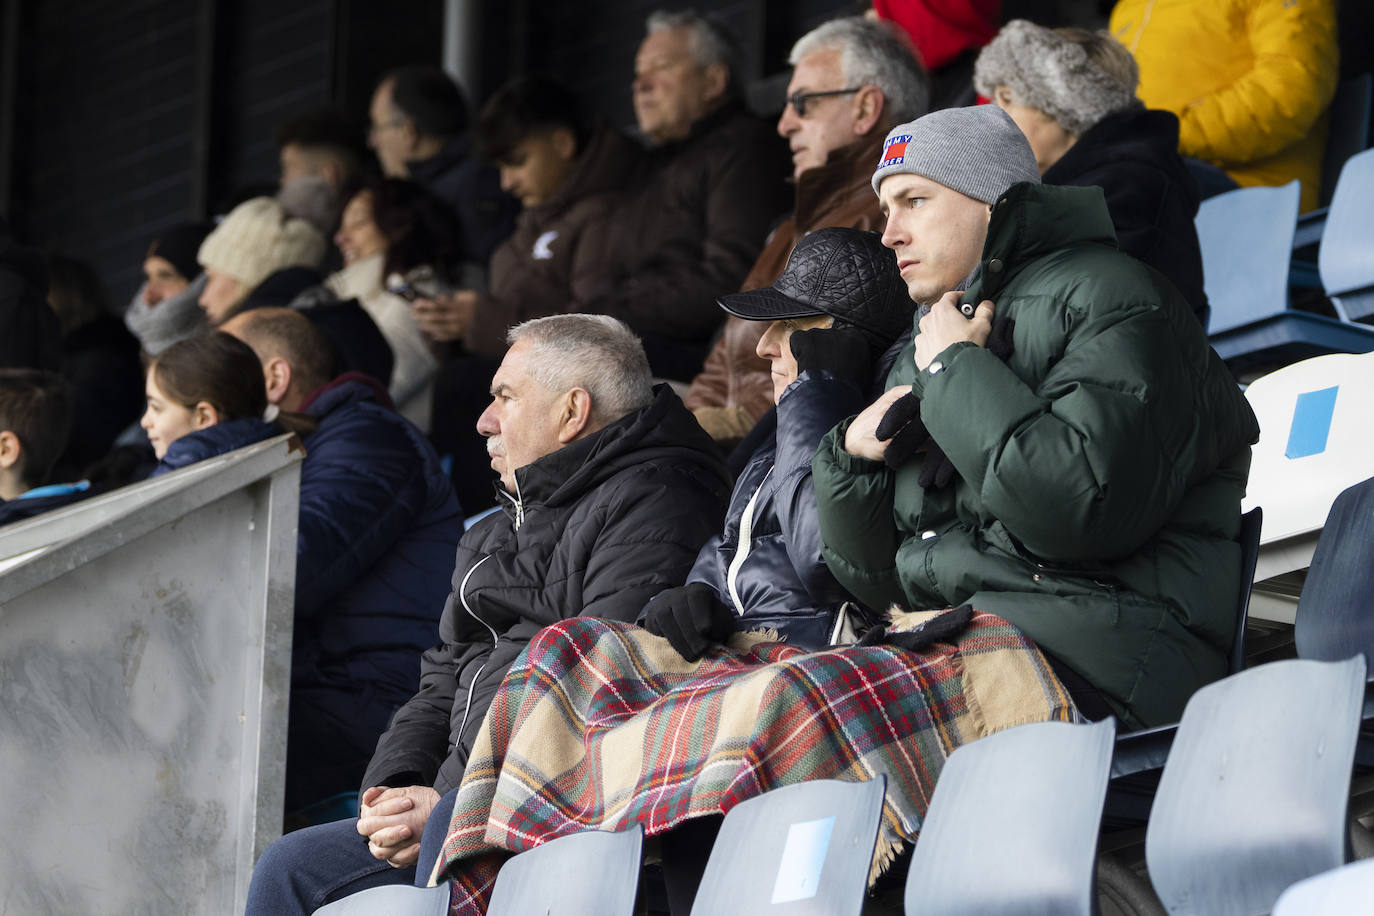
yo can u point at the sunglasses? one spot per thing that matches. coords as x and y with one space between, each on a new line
800 100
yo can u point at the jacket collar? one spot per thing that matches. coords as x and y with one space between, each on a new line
349 388
846 174
426 171
1030 220
663 427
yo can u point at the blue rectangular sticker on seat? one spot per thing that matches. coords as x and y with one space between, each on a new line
1311 422
803 855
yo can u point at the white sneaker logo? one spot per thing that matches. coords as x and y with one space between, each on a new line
542 251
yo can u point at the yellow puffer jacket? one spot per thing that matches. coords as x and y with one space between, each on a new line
1250 81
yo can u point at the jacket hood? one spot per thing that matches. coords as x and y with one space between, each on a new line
1030 220
664 428
349 388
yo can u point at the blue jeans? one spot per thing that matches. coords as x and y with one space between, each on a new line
304 870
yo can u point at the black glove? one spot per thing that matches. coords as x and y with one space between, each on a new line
902 425
691 618
941 628
844 351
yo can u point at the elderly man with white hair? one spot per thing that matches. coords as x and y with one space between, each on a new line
608 489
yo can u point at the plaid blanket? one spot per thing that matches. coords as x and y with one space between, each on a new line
599 725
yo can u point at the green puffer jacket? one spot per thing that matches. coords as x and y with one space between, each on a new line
1100 470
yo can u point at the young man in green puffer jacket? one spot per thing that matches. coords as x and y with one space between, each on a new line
1061 446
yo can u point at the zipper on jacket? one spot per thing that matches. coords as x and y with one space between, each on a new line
463 597
746 531
519 505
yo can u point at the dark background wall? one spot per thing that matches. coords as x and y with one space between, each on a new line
120 118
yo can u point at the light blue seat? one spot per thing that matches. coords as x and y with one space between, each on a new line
1345 260
1349 134
1012 826
593 873
803 850
1339 892
1253 796
1246 238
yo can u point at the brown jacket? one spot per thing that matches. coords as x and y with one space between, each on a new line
552 263
735 380
690 234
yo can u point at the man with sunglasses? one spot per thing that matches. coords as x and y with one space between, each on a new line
853 80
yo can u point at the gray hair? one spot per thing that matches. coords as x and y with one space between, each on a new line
594 352
708 41
872 54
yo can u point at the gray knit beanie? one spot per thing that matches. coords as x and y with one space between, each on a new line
977 151
257 239
1046 71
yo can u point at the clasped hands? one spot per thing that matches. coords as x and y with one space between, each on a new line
393 820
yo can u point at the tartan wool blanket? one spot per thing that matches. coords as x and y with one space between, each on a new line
600 725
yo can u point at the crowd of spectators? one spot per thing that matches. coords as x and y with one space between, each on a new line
601 334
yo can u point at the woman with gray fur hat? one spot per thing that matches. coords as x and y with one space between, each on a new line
1073 94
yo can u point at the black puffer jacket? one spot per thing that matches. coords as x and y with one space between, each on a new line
596 529
1132 155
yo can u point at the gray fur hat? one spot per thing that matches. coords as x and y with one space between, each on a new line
978 151
1047 71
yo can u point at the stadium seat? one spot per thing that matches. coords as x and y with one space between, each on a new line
593 873
1315 441
1246 238
1012 826
1253 796
1338 892
805 849
1345 260
1349 134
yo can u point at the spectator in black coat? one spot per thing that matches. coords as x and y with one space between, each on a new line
609 488
1072 93
377 531
99 359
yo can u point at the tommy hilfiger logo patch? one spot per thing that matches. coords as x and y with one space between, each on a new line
895 149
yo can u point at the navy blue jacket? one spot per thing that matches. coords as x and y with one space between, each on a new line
379 527
472 187
213 441
783 581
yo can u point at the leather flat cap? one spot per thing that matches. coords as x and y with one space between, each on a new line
845 273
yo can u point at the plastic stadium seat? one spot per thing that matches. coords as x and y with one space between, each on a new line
803 849
1246 238
1315 440
1349 134
1254 794
1339 892
1336 611
1345 260
594 873
1012 826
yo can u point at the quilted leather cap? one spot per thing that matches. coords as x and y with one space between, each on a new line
845 273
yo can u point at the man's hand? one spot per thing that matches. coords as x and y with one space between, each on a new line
393 820
447 317
861 440
945 325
